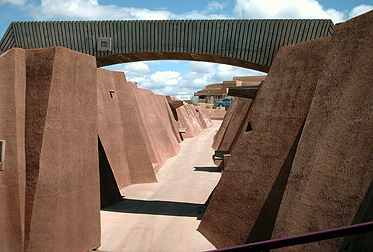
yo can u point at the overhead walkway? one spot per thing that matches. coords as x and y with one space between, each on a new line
245 43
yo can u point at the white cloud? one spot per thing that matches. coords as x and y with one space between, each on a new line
214 6
163 76
13 2
176 84
286 9
137 69
358 10
91 9
201 67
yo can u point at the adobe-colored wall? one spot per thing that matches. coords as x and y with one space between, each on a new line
62 178
187 118
121 129
12 130
50 189
213 114
138 129
333 166
235 126
156 114
204 119
276 117
223 127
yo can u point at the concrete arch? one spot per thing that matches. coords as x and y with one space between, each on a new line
246 43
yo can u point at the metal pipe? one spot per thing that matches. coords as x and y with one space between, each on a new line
303 238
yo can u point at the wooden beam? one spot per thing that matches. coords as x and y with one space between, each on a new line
175 104
244 91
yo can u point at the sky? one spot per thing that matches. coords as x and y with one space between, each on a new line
178 78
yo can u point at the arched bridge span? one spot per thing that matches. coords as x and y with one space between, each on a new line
246 43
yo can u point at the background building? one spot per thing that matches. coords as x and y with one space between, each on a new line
214 92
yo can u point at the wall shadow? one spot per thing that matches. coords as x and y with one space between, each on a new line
156 207
109 190
263 227
174 113
361 242
207 169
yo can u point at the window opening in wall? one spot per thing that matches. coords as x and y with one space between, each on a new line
2 154
248 128
104 44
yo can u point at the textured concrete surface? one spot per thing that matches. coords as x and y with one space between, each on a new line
226 119
156 114
215 114
261 154
121 129
186 117
333 166
62 178
12 130
204 119
163 216
235 126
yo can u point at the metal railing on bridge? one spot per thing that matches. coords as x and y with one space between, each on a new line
302 239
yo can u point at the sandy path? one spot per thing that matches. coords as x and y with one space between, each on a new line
164 216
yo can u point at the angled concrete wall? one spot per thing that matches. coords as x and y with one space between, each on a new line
156 113
333 166
138 129
223 127
121 129
56 109
204 119
12 130
260 155
235 126
62 178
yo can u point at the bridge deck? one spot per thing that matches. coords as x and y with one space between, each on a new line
246 43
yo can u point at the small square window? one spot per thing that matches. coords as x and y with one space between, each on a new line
104 44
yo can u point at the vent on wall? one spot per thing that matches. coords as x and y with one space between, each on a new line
104 44
249 128
2 154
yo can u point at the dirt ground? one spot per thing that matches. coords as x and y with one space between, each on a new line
164 216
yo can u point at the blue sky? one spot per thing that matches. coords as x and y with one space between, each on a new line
178 78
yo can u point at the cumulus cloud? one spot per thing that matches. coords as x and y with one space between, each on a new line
91 9
358 10
176 84
286 9
214 6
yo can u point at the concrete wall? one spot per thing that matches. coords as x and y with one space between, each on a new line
259 156
333 166
156 113
66 134
307 163
138 129
50 186
223 127
121 129
62 178
12 130
235 127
